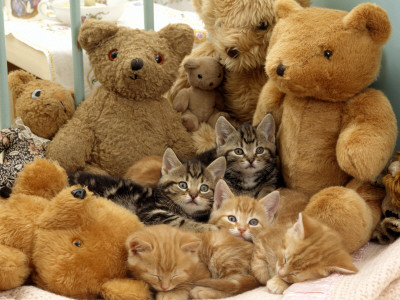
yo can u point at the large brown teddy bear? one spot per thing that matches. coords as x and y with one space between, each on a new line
335 134
41 108
126 118
71 242
239 33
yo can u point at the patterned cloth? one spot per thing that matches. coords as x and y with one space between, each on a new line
20 146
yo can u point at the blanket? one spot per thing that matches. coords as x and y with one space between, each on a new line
378 278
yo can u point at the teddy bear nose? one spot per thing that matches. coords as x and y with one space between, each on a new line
232 52
79 193
137 64
280 70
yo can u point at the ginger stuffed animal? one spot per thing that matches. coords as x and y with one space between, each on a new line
126 118
334 134
201 102
70 241
41 107
239 34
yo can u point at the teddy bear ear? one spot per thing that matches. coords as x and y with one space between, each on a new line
283 8
370 18
17 80
180 38
93 31
191 64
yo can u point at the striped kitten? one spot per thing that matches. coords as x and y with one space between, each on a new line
250 153
183 198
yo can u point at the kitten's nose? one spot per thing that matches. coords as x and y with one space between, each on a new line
241 230
281 273
164 288
193 196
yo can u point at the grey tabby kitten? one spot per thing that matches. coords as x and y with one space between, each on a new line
183 198
250 153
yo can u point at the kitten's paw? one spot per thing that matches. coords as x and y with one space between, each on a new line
171 295
276 285
200 292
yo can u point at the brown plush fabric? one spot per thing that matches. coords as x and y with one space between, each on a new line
127 117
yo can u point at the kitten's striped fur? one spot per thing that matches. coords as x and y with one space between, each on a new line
166 204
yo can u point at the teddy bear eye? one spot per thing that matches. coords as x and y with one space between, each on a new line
113 54
36 94
262 25
159 59
200 76
328 53
77 243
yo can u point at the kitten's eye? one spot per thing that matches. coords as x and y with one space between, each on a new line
284 259
232 219
204 188
159 59
183 185
259 150
36 94
263 25
77 243
328 53
113 54
238 151
253 222
200 76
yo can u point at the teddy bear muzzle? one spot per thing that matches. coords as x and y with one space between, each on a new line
137 64
280 70
79 193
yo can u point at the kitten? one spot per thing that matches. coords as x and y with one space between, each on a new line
250 153
172 261
183 198
242 216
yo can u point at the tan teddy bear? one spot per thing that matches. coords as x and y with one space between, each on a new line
201 102
70 241
239 33
126 118
334 134
41 108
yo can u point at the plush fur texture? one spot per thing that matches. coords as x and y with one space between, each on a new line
43 107
335 134
126 118
201 102
239 37
65 237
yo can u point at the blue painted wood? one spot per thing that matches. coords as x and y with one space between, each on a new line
4 100
148 8
77 55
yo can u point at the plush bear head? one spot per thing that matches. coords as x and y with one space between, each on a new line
43 105
204 72
73 240
239 30
324 53
134 63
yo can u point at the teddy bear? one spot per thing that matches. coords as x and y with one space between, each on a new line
239 33
126 117
332 129
68 240
201 102
41 108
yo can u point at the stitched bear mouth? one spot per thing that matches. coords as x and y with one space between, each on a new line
134 77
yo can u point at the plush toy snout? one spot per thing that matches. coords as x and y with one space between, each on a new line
79 193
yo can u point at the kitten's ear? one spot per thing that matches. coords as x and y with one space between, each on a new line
271 204
222 130
137 245
343 264
217 168
298 227
221 193
267 127
170 161
191 247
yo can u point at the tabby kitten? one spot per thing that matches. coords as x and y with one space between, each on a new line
242 216
173 261
183 198
250 154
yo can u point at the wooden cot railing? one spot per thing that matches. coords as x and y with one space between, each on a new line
77 56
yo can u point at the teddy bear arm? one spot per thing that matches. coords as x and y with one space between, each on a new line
124 288
14 267
181 101
368 135
269 101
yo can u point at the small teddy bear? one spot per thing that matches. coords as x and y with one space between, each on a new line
42 107
201 102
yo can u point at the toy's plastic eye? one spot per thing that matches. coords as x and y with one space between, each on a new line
263 25
232 218
253 222
36 94
200 76
159 59
328 53
113 54
183 185
78 243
